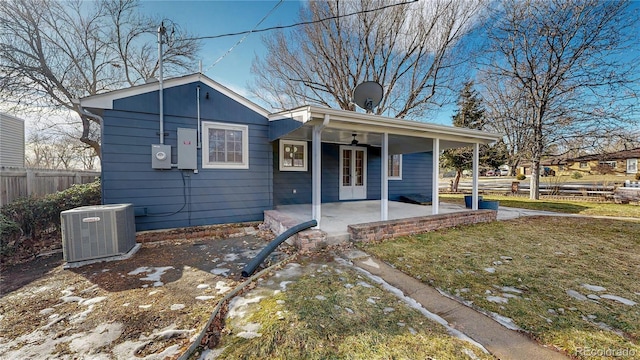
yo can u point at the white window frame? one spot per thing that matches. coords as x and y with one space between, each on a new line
206 164
305 158
399 177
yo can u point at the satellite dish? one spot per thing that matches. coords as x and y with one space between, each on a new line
368 95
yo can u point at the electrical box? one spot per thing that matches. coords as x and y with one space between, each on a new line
187 149
160 156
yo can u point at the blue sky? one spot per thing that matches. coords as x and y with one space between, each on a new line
206 18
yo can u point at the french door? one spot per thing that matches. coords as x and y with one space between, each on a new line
353 173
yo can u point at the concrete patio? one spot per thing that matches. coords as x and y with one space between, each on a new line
337 216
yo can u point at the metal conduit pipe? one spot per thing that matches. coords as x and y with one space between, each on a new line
256 261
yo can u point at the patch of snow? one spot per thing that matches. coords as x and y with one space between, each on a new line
414 304
280 302
365 284
510 296
147 306
151 293
66 299
412 331
490 270
46 311
511 289
177 307
238 305
506 258
388 310
470 354
205 298
371 300
497 299
576 295
595 288
505 321
593 297
283 285
320 297
92 301
618 299
496 263
230 257
102 335
153 274
222 287
248 334
209 354
203 286
221 271
82 316
292 270
349 310
372 263
349 286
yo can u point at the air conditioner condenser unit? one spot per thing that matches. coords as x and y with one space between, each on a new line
97 232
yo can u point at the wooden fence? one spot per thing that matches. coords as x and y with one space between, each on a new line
16 183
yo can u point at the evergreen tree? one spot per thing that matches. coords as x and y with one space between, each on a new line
471 114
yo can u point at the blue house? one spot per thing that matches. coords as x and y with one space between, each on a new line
210 156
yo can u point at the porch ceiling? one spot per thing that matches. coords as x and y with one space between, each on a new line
405 136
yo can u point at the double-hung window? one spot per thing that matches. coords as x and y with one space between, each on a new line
225 146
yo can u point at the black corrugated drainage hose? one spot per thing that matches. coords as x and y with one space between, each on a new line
253 264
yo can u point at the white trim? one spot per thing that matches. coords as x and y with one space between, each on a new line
632 166
399 177
305 157
474 174
105 101
435 191
206 125
384 191
316 174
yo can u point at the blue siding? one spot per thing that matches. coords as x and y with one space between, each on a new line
175 198
417 170
416 177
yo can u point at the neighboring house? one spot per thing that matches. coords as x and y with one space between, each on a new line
11 141
620 162
219 158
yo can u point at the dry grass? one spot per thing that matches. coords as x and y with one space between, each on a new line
543 258
561 206
352 321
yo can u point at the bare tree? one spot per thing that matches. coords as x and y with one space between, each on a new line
52 52
573 61
411 49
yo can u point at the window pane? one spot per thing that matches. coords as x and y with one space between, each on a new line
346 168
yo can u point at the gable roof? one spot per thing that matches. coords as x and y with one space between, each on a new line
105 101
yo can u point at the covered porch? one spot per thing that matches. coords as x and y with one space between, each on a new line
350 134
337 216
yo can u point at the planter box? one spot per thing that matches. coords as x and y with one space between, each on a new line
468 199
488 204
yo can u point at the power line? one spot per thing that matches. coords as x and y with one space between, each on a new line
245 36
300 23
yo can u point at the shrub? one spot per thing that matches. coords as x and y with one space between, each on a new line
37 216
9 236
576 175
520 177
638 176
604 169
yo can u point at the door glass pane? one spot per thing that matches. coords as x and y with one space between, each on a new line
359 167
346 167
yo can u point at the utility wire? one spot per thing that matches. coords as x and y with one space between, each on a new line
300 23
245 36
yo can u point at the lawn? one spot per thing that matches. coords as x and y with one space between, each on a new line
562 206
538 271
332 312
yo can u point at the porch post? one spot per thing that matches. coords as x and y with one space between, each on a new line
384 193
474 174
435 202
316 174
